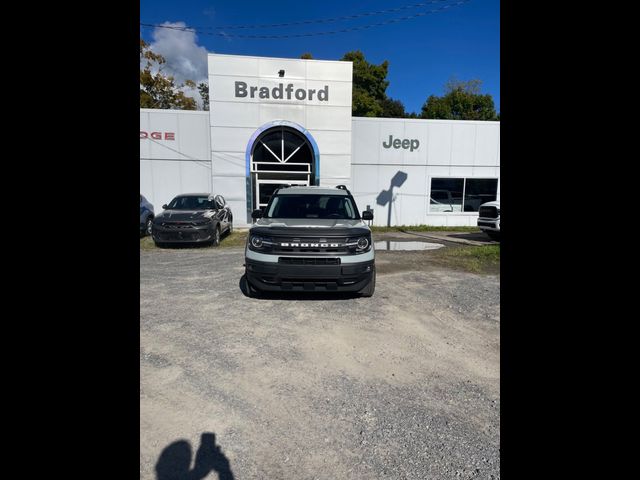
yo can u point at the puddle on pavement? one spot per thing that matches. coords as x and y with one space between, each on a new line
391 245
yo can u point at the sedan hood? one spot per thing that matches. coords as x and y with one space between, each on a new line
184 215
320 223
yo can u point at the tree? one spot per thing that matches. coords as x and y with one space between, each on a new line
158 90
306 56
461 101
392 108
203 88
369 85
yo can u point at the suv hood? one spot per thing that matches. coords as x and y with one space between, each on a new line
321 223
184 215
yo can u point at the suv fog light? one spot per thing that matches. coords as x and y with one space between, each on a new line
256 242
363 243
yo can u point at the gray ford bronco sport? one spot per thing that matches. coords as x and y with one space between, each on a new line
310 239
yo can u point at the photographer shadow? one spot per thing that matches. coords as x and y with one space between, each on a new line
175 461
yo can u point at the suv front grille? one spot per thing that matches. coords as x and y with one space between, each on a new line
307 245
488 212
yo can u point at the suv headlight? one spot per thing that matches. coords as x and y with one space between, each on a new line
360 244
363 244
256 241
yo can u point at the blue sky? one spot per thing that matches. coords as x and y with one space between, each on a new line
423 52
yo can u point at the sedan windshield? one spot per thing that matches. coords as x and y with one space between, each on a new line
191 203
312 206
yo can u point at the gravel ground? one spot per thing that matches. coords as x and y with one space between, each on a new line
403 385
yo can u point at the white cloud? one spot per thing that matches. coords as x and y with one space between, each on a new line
186 60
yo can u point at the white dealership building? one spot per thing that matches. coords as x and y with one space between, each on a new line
275 121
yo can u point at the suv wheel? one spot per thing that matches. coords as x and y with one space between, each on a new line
250 290
149 225
371 286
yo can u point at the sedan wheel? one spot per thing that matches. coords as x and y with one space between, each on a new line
216 237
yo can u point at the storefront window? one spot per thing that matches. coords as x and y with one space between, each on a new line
447 194
478 191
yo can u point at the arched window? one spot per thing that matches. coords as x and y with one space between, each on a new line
280 155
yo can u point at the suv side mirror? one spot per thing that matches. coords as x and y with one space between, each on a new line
164 207
256 214
367 215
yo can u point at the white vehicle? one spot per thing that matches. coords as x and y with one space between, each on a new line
310 239
445 201
489 219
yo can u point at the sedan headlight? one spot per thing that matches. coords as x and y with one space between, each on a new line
200 223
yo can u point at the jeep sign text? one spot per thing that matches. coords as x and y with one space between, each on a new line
406 143
157 135
242 90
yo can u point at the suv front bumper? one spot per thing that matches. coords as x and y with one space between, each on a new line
490 224
347 277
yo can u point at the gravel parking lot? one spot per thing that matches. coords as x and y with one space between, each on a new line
403 385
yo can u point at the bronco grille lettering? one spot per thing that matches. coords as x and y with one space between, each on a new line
309 245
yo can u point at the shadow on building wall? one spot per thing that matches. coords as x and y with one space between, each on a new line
175 461
386 196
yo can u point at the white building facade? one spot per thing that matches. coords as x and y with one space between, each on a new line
276 121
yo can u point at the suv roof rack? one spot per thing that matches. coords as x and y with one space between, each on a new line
343 187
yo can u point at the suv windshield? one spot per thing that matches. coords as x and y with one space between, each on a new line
191 203
312 206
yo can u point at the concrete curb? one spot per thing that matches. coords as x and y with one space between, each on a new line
445 236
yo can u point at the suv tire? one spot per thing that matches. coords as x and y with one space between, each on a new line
249 290
371 286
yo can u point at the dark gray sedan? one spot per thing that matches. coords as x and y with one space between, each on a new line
193 218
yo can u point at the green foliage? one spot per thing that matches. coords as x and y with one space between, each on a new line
203 88
461 101
158 90
306 56
392 108
369 85
477 259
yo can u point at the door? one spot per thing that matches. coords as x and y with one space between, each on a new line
280 156
222 212
265 189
